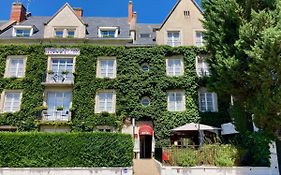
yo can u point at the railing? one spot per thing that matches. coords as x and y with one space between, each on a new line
203 72
56 115
174 43
58 78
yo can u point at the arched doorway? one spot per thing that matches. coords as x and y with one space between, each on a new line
145 133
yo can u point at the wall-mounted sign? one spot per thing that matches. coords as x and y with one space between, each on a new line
62 51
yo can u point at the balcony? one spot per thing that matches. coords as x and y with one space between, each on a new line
58 116
58 79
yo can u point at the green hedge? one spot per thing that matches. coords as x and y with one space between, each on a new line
213 154
65 150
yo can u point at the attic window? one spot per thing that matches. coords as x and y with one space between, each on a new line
22 31
186 13
108 32
145 35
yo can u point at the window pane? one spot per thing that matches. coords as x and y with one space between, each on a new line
70 33
16 67
105 102
106 68
59 33
11 102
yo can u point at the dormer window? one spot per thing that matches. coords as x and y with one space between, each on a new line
108 32
59 33
64 32
70 33
22 31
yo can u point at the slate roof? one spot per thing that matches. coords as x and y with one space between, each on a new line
146 29
93 23
37 21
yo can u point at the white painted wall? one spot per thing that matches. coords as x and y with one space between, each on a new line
66 171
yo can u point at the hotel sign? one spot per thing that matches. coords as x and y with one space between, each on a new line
62 51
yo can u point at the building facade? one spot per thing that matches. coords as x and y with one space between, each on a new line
61 77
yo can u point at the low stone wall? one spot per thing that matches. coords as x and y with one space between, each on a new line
66 171
218 171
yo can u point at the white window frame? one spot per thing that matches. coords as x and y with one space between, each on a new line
172 41
214 100
98 71
2 100
52 57
198 43
100 29
64 31
174 70
8 61
175 92
113 92
15 28
204 69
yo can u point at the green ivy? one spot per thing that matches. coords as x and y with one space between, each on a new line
65 150
131 84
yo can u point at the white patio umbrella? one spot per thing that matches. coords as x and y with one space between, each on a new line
197 127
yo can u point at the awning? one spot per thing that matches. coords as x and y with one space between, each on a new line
145 130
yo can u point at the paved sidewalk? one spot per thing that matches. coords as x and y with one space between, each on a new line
145 167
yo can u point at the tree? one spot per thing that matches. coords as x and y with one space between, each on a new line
243 37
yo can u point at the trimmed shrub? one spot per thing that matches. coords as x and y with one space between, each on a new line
65 150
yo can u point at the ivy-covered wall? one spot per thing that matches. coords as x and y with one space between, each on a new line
131 84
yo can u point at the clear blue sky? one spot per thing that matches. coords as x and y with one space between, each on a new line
149 11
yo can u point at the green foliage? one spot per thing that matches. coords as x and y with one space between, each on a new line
184 157
65 150
243 38
256 145
131 84
213 154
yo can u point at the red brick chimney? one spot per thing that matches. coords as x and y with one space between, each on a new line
78 11
18 12
130 11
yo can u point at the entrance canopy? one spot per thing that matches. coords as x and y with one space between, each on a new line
195 127
146 130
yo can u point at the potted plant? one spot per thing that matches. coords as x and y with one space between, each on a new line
59 108
65 72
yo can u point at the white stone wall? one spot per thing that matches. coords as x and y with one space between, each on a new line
66 171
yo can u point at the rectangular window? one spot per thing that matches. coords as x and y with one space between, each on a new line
176 101
108 32
23 32
105 102
58 103
174 67
61 70
15 66
202 67
199 40
106 68
70 33
145 35
59 33
12 101
207 102
173 38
